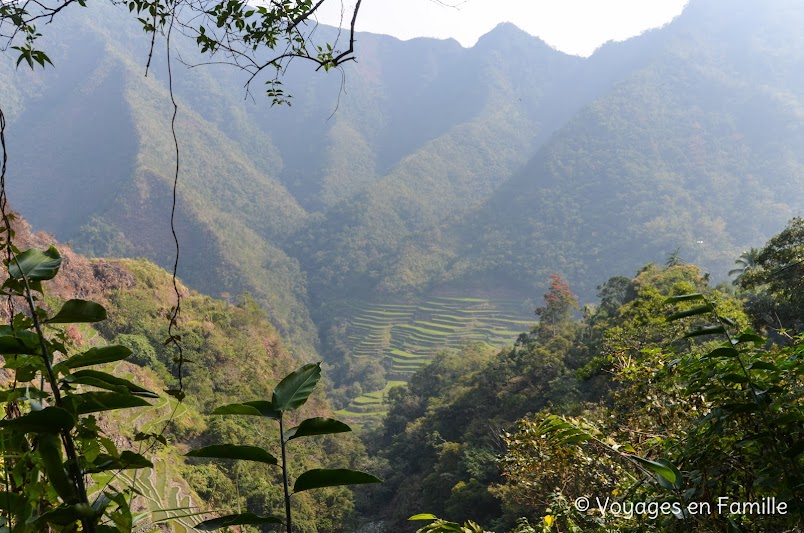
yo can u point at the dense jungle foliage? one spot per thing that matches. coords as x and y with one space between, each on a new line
671 403
661 393
444 168
668 393
234 355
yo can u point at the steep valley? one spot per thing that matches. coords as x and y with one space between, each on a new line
233 354
489 248
366 217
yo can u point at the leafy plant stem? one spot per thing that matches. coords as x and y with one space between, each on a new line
792 473
739 360
762 407
69 446
290 394
285 474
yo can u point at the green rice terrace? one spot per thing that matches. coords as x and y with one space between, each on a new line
163 498
407 335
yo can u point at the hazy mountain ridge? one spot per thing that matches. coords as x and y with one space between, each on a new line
427 165
125 147
356 240
241 192
688 150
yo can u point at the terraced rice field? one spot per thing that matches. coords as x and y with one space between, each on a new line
408 335
370 405
159 500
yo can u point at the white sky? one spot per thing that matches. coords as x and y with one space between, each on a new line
573 26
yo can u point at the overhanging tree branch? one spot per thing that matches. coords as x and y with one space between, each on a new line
242 33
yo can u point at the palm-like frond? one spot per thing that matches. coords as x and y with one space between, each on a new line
747 261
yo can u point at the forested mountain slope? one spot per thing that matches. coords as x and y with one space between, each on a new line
105 183
502 86
629 376
420 199
698 147
422 129
423 167
236 356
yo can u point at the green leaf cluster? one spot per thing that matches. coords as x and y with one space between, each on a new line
289 394
698 406
50 437
664 394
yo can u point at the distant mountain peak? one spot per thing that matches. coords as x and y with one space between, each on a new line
507 27
508 33
507 30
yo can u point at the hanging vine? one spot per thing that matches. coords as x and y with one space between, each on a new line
43 491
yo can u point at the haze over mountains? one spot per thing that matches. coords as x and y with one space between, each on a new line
432 168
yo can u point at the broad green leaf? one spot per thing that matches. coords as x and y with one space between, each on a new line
443 526
657 468
684 298
265 408
66 514
109 445
49 446
93 402
325 477
48 420
75 311
24 344
762 365
789 418
756 440
295 388
624 447
97 356
9 500
575 439
723 352
734 527
102 380
255 408
316 426
700 310
234 451
123 519
35 264
128 460
26 367
14 442
236 409
665 483
20 322
795 450
750 337
553 422
562 432
707 330
242 519
423 516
